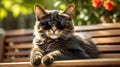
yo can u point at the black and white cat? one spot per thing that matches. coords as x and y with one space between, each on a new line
55 40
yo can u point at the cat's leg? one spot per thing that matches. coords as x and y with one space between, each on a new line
50 57
35 57
36 53
63 55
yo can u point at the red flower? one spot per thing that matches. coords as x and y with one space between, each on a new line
108 5
96 3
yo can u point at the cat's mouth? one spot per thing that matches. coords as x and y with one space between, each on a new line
54 36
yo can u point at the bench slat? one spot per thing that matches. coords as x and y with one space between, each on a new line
98 27
24 59
20 32
111 55
20 46
19 39
21 53
102 33
84 62
107 40
109 48
113 61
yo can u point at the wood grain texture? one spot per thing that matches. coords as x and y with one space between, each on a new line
19 39
85 62
106 26
101 33
2 33
105 36
106 40
26 59
19 32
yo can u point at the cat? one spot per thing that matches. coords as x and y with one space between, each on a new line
55 39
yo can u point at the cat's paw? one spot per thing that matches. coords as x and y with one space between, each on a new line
46 60
35 61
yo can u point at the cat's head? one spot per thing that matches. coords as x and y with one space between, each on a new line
54 23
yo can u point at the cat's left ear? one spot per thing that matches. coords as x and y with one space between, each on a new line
39 12
69 10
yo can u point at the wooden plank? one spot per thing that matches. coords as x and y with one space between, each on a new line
16 64
1 47
110 55
21 53
107 40
20 46
19 39
1 44
98 27
88 62
108 48
29 46
101 33
19 32
22 59
81 62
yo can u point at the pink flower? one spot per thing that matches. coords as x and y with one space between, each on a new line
108 5
96 3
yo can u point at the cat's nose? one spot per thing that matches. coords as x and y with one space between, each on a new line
54 28
53 31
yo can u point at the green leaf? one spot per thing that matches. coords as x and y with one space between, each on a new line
3 13
7 3
15 10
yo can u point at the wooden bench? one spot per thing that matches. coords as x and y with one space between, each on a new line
106 36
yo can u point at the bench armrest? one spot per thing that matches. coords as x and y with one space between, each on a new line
1 44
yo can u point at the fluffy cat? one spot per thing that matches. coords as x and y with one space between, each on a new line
55 40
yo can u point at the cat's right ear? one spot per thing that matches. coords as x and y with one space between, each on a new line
69 10
39 12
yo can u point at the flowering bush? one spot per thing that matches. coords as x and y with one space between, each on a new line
108 5
107 10
95 11
96 3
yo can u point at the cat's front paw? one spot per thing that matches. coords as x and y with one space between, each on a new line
46 60
35 61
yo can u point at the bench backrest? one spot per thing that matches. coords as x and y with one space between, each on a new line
106 36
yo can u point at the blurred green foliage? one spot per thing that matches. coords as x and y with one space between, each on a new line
15 14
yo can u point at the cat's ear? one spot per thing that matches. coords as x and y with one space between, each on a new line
39 12
69 10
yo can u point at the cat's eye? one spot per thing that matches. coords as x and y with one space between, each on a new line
63 21
59 26
45 24
42 22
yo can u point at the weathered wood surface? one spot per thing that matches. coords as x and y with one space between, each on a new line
1 44
105 36
85 62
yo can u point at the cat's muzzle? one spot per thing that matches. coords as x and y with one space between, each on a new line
53 36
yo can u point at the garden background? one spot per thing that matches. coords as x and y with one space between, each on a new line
19 14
